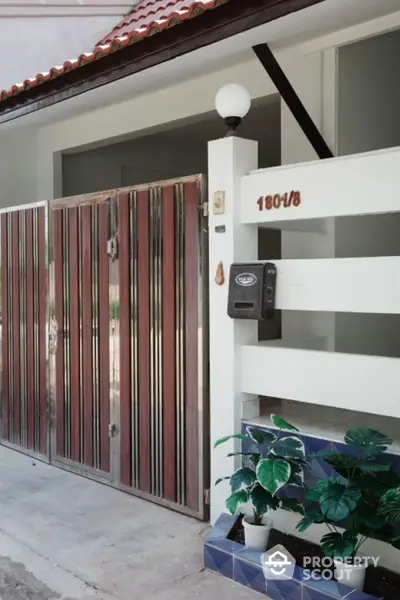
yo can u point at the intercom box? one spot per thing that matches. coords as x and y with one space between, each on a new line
252 291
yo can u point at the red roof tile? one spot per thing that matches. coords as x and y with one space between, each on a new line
148 17
146 12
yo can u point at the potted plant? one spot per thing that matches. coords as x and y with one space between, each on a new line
277 462
364 499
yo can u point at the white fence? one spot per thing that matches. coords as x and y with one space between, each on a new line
243 368
353 185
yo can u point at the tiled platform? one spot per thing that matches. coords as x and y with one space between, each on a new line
243 565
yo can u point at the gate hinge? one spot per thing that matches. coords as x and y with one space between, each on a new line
112 430
207 497
204 209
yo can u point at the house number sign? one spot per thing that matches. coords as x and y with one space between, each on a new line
277 201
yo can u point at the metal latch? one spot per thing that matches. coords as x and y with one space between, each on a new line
204 208
207 497
112 430
112 248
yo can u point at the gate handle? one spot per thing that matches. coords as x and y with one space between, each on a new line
53 336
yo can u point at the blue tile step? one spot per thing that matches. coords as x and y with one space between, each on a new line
244 566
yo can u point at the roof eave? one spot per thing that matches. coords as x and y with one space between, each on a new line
228 19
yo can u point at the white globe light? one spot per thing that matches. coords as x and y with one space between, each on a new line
232 100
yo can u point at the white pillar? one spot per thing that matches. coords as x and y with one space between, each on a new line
228 160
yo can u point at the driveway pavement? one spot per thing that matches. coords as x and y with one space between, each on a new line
63 536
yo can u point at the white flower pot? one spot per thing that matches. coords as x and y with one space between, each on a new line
351 575
256 536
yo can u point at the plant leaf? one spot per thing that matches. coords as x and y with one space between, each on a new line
292 505
237 436
375 467
282 424
236 500
338 501
376 484
239 454
339 545
314 495
396 538
312 516
390 506
395 542
296 474
348 465
242 479
344 464
367 516
289 447
261 436
273 474
222 479
370 441
262 500
254 457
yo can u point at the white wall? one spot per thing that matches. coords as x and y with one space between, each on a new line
318 93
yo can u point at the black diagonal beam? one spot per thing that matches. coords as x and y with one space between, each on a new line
295 105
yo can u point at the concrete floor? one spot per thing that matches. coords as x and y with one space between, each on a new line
64 536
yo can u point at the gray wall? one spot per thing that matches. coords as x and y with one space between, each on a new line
369 94
368 119
175 153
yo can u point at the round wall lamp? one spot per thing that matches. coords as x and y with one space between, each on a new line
232 103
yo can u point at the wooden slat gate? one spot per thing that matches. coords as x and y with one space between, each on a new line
128 332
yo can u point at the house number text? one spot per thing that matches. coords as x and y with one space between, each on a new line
277 201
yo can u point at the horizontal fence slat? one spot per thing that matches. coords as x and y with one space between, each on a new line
361 285
351 381
351 185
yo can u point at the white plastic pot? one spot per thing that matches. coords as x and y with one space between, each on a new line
351 575
256 536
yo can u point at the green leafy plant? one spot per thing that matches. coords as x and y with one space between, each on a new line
364 498
278 462
389 506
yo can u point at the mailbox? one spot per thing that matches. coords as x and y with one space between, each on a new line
252 291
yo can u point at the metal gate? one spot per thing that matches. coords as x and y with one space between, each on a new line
129 340
24 422
163 321
80 335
